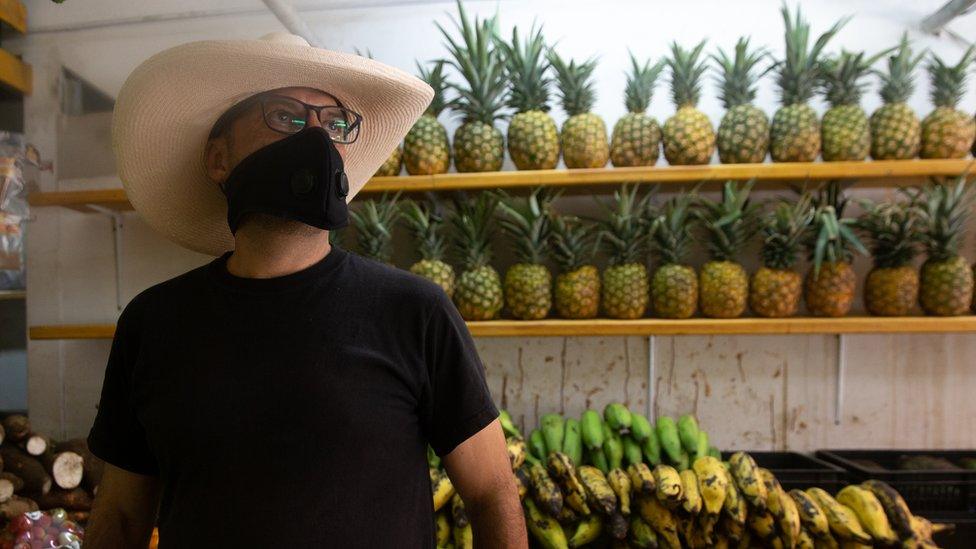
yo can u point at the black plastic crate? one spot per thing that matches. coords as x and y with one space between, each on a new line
928 492
796 470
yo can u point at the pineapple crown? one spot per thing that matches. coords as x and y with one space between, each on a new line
842 77
943 211
575 83
949 81
472 223
574 242
729 222
686 74
670 230
640 84
624 231
479 62
374 226
424 220
890 228
525 67
797 72
436 79
737 81
831 236
528 222
898 83
783 230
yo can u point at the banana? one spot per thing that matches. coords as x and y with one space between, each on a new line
433 460
869 511
507 425
617 416
640 534
735 506
441 488
561 468
544 490
670 490
661 520
733 529
598 459
689 483
641 479
763 524
842 520
712 483
620 484
714 452
694 534
463 537
667 434
640 428
522 482
591 427
516 451
854 545
825 542
537 444
811 515
746 475
567 516
443 529
923 529
458 515
789 524
651 448
587 531
746 541
706 526
688 432
632 450
613 448
773 489
701 450
897 511
617 526
684 462
573 442
598 491
553 430
722 542
545 528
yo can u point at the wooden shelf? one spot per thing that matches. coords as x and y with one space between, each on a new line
13 13
882 172
15 74
644 326
12 294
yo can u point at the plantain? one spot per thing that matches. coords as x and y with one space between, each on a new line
688 432
701 449
923 529
573 442
553 430
617 526
567 516
733 529
773 489
537 444
745 472
443 529
695 535
507 425
617 416
684 461
586 531
789 524
826 542
805 540
613 447
869 511
458 516
897 511
854 545
599 494
640 534
516 451
661 520
746 541
735 506
522 481
441 488
591 428
712 483
669 488
763 524
667 434
842 520
560 467
620 484
433 460
693 500
641 479
544 490
598 459
651 448
640 428
632 450
463 537
706 526
546 530
811 515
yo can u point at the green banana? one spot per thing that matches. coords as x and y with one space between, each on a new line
537 445
573 442
613 448
684 462
442 528
702 449
599 460
591 427
632 451
545 528
714 452
433 459
641 535
618 416
640 428
553 432
507 425
667 434
651 447
688 432
587 531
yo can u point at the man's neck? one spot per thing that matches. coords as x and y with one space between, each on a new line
259 253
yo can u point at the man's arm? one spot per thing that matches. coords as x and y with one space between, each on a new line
124 510
481 472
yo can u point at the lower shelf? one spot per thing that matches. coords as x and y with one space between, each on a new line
643 326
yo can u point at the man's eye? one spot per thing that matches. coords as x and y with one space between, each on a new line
286 117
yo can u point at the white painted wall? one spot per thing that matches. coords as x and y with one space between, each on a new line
755 392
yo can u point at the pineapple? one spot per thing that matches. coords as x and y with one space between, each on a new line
948 132
624 236
578 285
374 222
795 130
533 139
743 134
775 288
688 135
845 132
896 132
424 223
478 145
891 288
636 137
674 288
730 223
584 135
426 150
528 283
831 282
478 291
947 281
392 165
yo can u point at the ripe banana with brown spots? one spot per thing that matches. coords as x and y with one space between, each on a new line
762 524
661 520
689 483
640 534
561 468
441 488
811 515
842 520
620 484
712 483
546 530
668 485
895 508
516 451
586 531
544 489
599 494
442 529
745 472
735 506
641 479
870 513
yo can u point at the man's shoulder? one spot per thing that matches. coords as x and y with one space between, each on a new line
394 285
165 291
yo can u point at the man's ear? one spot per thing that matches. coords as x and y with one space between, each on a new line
217 159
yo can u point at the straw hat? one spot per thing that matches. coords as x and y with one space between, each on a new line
169 103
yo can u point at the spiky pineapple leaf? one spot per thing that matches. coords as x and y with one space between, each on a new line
943 211
472 222
574 241
891 229
374 221
842 77
737 74
671 229
948 82
687 70
624 229
783 230
527 221
424 220
730 222
577 92
640 83
526 66
898 82
797 71
436 79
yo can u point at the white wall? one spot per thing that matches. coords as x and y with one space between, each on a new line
758 392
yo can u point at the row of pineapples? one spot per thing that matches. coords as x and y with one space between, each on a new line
932 218
515 74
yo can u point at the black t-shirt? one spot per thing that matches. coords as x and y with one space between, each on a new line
292 411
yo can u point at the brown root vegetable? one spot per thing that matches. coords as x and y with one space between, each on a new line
66 468
16 506
14 479
36 445
81 517
29 469
93 466
70 500
17 427
6 490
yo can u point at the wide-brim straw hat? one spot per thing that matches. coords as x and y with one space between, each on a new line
168 105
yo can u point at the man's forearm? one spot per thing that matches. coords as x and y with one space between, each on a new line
497 522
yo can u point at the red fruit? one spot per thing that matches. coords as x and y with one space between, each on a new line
44 521
20 524
38 533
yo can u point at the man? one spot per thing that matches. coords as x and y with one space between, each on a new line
284 394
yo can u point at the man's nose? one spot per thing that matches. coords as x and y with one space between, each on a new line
313 120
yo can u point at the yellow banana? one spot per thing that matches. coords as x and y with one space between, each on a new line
587 531
661 520
899 516
805 541
620 484
561 468
811 515
544 490
641 478
545 528
776 543
706 526
689 483
772 492
842 520
577 502
668 485
763 524
789 524
734 529
567 515
712 483
735 506
721 542
522 482
640 533
746 541
516 451
599 494
746 475
694 534
463 537
458 515
441 488
869 511
923 529
443 535
854 545
825 542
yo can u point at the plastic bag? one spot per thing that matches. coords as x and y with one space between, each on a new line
42 530
13 208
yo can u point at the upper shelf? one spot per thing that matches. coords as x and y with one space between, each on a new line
879 172
14 13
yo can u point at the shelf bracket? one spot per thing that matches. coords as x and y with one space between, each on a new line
841 365
651 382
116 218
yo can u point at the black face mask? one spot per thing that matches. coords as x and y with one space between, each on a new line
300 177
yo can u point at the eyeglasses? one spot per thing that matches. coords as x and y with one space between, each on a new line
288 115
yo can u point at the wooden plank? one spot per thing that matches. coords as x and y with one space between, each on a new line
114 199
12 294
73 331
15 73
13 13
